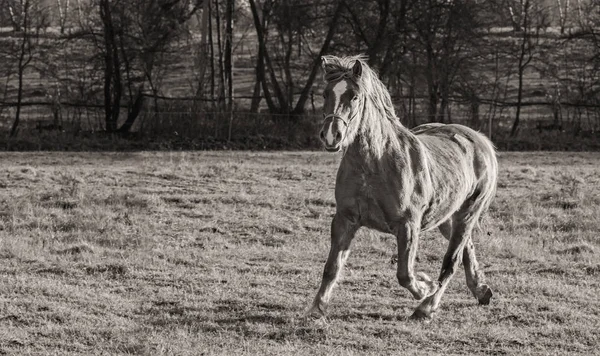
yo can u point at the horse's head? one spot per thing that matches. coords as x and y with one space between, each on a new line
341 103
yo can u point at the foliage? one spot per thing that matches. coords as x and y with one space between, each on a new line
473 62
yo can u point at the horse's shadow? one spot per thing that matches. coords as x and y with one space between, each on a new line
262 324
256 318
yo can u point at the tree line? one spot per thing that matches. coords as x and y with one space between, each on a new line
435 56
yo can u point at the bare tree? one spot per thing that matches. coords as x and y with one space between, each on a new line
260 15
291 19
202 53
563 13
83 14
113 87
24 54
515 14
445 41
299 109
63 14
134 41
369 22
228 60
580 13
532 21
15 13
266 65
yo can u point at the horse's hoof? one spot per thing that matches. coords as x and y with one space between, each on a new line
420 315
314 313
485 294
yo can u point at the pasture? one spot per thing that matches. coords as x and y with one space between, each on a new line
221 252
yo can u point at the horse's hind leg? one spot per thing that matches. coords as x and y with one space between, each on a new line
473 274
461 232
342 233
463 222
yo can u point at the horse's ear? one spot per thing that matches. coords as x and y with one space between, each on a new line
323 62
357 69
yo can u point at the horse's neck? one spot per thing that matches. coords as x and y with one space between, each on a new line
375 137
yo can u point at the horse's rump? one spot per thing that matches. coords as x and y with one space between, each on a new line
462 165
457 143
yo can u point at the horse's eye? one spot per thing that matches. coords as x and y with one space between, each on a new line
324 95
355 97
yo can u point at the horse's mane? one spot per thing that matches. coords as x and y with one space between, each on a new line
369 83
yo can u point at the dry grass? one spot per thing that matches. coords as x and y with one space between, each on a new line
219 253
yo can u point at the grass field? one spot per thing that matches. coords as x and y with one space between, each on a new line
220 253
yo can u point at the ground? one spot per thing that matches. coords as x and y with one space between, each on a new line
221 253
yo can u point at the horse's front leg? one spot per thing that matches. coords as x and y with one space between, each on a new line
342 232
407 236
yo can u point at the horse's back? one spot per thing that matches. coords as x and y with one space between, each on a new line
449 137
460 154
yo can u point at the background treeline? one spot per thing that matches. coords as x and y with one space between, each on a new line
246 73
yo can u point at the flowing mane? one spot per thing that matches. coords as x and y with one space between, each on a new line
369 83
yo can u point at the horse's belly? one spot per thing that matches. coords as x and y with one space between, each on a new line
441 210
374 219
375 212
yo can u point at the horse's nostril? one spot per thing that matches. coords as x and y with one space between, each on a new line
338 136
322 135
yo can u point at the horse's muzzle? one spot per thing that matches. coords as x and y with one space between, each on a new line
333 149
331 136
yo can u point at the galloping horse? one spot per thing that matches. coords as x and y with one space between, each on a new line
402 182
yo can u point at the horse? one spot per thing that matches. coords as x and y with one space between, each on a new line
402 182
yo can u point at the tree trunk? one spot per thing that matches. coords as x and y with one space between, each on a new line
112 76
228 53
287 61
515 125
475 120
412 94
562 14
63 13
255 96
267 64
442 113
133 113
525 46
260 65
513 19
204 58
229 63
220 53
212 56
432 86
580 14
25 57
15 19
317 61
379 41
276 88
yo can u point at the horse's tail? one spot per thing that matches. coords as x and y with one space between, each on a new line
489 190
